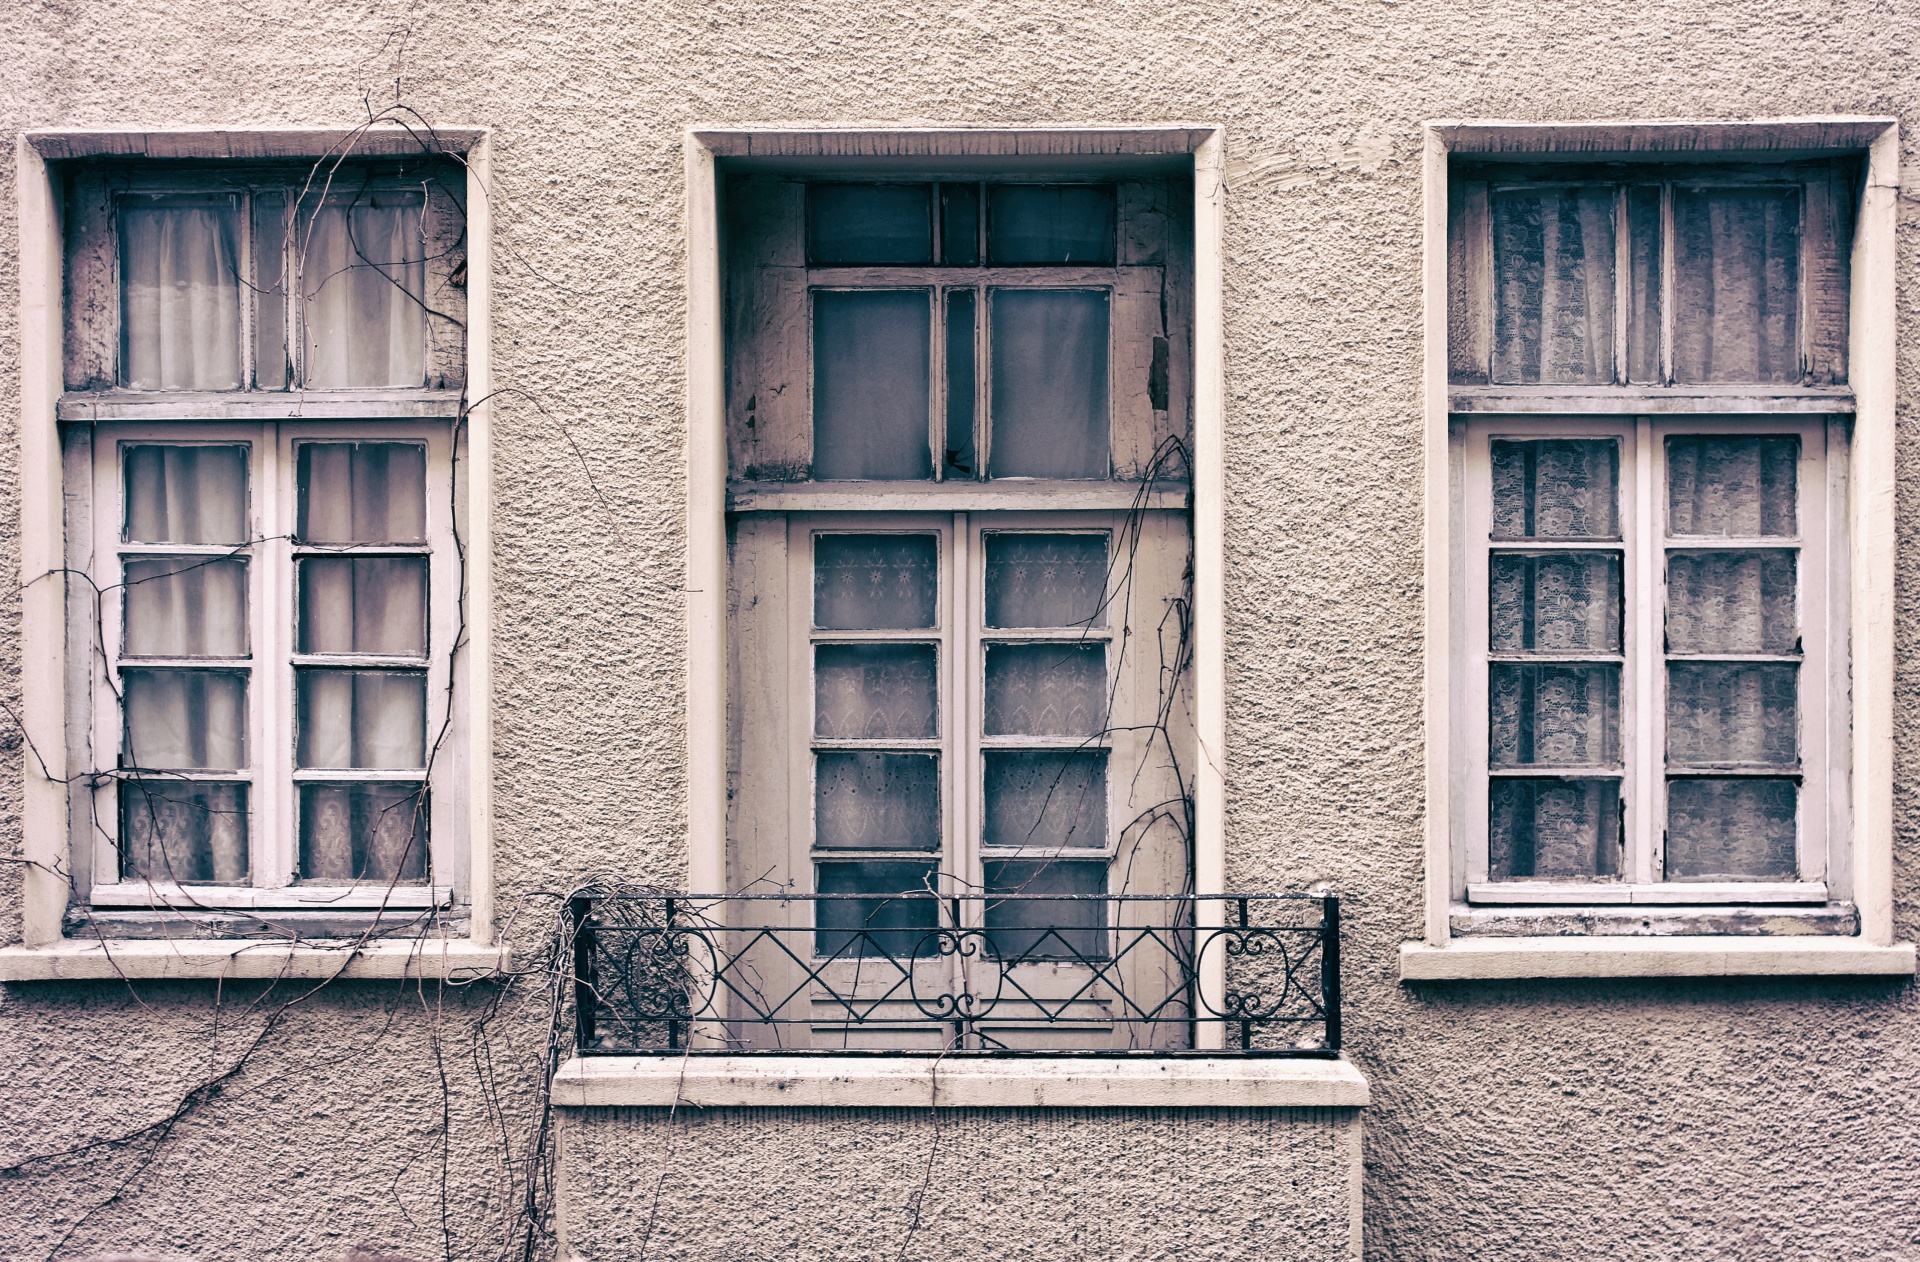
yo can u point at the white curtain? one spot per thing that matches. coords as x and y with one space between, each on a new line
180 296
363 493
372 832
186 494
363 279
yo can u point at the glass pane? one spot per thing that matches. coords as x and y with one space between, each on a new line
1732 602
1644 312
1069 926
1554 602
1732 487
881 925
363 605
1048 415
171 830
270 359
185 720
1046 690
1553 828
869 223
867 801
960 224
962 392
1556 488
1736 284
186 494
363 832
363 493
1553 285
1050 580
1553 716
874 582
872 370
364 281
1037 224
1731 830
186 607
875 692
180 292
362 719
1733 714
1045 798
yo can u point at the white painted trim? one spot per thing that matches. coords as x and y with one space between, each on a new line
710 1081
225 144
478 544
706 528
233 959
260 405
1467 959
1437 505
1209 564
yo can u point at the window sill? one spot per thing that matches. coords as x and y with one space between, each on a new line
722 1081
257 405
1656 920
150 960
1649 400
1691 956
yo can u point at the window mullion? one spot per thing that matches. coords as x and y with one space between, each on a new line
272 754
1646 673
963 651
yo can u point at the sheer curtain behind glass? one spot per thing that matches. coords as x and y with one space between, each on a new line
180 292
363 280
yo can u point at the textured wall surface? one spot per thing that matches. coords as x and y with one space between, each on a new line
1523 1122
1011 1185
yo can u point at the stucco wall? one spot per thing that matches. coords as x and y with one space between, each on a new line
1521 1121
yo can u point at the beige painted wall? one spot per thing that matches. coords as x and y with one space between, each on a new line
1523 1121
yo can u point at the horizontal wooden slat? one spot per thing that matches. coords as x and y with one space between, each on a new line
948 497
298 405
1648 400
1781 137
253 142
1544 894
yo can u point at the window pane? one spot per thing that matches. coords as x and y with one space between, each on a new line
364 281
1553 716
1644 313
1553 285
962 391
871 375
873 582
1556 488
180 293
1038 224
1553 828
363 493
1733 714
1554 602
363 605
1045 798
1736 283
881 925
867 801
869 223
186 494
1051 580
186 607
1046 689
1071 926
1732 602
960 224
1731 487
270 359
356 832
1731 830
875 692
171 830
1048 417
362 719
185 720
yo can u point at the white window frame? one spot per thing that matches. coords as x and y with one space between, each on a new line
707 446
45 950
1451 719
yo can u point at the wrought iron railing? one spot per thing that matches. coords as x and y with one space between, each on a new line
1244 973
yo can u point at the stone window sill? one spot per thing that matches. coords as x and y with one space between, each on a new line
718 1080
1466 959
230 959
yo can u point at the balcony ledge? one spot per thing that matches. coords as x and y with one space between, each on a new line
717 1080
1681 956
231 959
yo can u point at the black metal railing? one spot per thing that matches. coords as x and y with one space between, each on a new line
1244 973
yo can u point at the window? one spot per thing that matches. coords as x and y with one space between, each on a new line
271 606
1651 442
959 558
